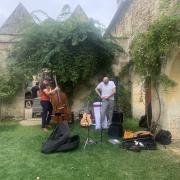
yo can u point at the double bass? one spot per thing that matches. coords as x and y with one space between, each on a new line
59 102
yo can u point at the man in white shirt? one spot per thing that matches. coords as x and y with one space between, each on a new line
106 90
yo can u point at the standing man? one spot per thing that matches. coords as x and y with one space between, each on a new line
106 90
34 90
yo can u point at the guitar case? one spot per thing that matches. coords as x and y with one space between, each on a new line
145 142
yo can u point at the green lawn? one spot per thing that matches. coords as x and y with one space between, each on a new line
21 159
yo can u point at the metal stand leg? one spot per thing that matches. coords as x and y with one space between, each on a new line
88 139
101 141
101 127
101 134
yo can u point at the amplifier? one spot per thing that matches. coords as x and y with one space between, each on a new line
117 117
115 131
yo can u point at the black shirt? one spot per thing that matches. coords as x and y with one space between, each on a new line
34 91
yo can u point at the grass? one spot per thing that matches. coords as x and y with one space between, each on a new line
21 159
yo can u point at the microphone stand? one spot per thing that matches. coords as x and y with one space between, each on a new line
88 139
101 139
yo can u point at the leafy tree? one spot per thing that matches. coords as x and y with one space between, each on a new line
73 50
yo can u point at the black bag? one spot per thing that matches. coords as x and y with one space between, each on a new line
115 131
71 144
117 117
145 142
163 137
57 138
116 128
143 122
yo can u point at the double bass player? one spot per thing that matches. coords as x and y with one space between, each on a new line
44 93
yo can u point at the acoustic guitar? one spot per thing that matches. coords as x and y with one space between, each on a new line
86 119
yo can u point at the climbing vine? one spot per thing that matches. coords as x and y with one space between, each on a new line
151 49
11 82
73 50
164 5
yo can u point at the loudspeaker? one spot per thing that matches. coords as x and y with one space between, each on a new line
117 117
115 130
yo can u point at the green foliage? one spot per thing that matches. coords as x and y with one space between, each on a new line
73 50
124 90
150 50
166 8
126 70
166 82
92 97
164 5
124 99
11 82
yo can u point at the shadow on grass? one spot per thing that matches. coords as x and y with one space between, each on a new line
6 126
131 124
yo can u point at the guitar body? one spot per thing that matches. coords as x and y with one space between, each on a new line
86 120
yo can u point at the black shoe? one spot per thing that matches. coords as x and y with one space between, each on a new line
134 148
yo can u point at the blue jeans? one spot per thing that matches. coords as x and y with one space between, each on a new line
46 113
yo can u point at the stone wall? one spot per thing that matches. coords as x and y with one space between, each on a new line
137 17
79 99
14 107
169 104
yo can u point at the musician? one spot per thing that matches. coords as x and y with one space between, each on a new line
34 90
44 94
106 90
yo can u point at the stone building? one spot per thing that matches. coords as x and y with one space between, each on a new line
79 13
9 33
18 21
131 18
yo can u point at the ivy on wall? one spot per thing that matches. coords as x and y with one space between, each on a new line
151 49
11 82
164 5
73 50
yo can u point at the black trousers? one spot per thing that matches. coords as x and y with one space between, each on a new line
46 112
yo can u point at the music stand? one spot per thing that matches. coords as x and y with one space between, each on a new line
88 139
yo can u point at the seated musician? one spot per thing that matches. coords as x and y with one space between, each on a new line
44 94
